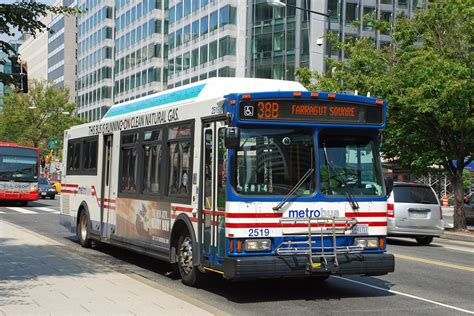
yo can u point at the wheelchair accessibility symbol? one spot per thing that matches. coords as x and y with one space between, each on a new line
248 110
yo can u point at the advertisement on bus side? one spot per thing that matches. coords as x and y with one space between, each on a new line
147 221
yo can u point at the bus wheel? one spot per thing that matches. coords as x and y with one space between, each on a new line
190 275
23 203
83 230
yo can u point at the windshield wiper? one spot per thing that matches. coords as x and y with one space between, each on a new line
347 194
294 189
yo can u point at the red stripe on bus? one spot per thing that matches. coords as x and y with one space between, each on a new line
182 209
216 213
278 225
367 214
192 219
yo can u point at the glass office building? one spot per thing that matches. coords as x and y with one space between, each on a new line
140 48
281 40
120 53
206 39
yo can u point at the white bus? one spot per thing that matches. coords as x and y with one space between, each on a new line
248 178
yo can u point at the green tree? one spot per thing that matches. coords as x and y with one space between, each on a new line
426 77
25 17
37 117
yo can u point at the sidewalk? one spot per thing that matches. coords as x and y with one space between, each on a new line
448 212
37 277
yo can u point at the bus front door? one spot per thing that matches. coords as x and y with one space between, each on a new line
212 208
106 188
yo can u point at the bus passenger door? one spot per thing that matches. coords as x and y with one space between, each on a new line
214 179
106 189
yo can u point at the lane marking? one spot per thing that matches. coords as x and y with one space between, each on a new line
2 212
21 210
454 248
46 209
405 294
436 263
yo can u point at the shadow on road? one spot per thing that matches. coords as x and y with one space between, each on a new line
407 242
126 261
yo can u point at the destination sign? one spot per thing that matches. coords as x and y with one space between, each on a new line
315 111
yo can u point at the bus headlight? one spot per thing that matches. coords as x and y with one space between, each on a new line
367 243
258 245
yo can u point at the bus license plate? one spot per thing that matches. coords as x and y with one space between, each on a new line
360 229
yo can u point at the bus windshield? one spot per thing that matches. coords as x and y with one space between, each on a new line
21 167
349 165
272 161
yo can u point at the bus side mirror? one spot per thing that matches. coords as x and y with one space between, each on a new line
232 137
388 185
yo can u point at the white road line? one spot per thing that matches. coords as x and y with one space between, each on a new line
2 212
407 295
21 210
46 209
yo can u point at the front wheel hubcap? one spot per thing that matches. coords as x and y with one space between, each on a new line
83 227
185 256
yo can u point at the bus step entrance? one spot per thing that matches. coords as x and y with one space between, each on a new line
321 258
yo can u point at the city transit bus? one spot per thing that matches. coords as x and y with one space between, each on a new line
19 168
247 178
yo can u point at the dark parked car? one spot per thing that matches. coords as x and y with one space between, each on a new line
46 189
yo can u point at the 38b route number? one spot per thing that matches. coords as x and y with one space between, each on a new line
259 232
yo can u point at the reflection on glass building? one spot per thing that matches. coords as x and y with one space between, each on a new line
205 40
281 40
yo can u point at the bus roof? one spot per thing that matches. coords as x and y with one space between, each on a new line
211 88
5 144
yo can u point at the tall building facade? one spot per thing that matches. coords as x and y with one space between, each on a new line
281 40
121 51
95 58
206 39
33 53
140 48
62 50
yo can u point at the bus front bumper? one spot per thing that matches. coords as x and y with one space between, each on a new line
262 267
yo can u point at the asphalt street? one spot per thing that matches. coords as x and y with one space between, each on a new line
435 280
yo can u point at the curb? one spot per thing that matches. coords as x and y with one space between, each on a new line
457 236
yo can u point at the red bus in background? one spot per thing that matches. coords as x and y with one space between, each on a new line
19 173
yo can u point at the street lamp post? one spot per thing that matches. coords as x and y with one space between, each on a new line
280 4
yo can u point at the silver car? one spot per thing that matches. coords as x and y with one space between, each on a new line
414 210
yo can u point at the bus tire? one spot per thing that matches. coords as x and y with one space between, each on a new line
23 203
190 274
83 230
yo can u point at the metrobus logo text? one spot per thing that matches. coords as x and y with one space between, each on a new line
313 213
144 120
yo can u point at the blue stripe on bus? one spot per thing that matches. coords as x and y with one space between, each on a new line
159 100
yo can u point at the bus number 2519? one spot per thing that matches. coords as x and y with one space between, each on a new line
259 232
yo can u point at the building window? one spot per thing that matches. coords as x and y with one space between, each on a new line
204 25
212 50
352 13
194 57
203 58
213 21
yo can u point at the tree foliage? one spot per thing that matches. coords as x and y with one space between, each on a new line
37 117
426 76
24 16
